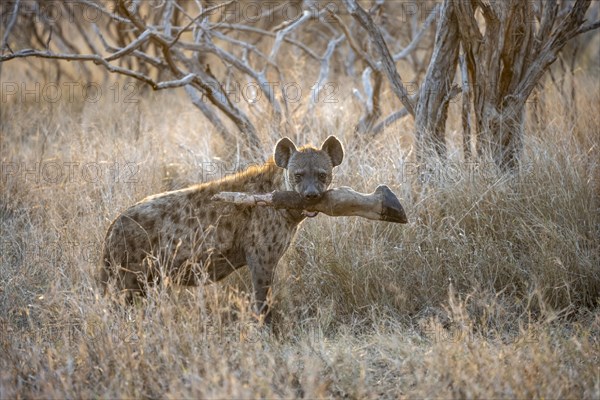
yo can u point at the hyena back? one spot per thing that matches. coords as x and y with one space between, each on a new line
185 236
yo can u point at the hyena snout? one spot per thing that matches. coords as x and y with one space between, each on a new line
313 191
312 195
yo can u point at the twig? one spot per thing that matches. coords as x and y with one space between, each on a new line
324 71
589 27
417 38
106 12
281 34
389 68
143 38
364 56
199 16
259 31
390 119
10 25
79 57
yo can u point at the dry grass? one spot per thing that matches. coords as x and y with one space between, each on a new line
491 291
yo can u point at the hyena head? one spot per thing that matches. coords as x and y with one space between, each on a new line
309 170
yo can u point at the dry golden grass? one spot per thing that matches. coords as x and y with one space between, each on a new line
491 291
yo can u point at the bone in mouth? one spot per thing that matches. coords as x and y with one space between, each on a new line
381 205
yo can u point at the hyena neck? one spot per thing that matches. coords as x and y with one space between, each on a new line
268 178
263 178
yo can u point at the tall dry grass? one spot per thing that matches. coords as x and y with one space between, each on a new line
492 290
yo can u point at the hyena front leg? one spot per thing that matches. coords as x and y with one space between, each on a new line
127 283
262 270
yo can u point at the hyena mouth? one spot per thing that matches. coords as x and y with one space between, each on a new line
310 214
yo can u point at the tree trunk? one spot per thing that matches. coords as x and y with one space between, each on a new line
506 55
436 91
497 62
501 132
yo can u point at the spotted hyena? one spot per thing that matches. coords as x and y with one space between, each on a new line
187 237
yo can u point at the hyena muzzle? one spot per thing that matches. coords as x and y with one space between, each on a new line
186 237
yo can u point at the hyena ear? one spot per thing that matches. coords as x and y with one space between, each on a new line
283 152
333 147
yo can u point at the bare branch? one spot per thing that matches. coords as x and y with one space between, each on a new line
154 61
548 17
104 11
143 38
199 16
259 77
589 27
366 81
371 100
282 33
417 38
364 56
9 26
166 20
244 28
568 27
89 57
324 71
372 92
389 68
176 83
389 120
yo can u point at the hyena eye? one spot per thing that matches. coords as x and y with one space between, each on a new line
323 177
298 177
